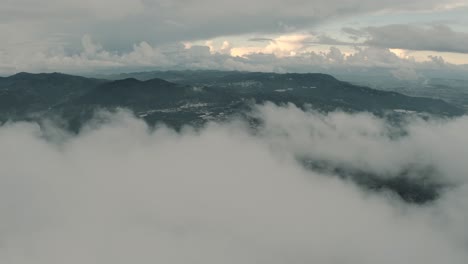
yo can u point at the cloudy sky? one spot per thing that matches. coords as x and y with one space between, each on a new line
265 35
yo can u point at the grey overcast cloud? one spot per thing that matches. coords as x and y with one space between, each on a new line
114 36
217 132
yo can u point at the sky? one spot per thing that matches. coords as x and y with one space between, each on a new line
77 36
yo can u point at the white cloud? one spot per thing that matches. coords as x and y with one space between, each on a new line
281 46
286 53
365 142
122 192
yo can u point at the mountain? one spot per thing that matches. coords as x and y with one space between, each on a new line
26 93
323 91
198 96
134 93
327 93
155 100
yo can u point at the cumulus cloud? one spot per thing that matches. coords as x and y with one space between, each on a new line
288 53
123 192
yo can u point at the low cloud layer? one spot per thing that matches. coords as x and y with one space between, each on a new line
122 192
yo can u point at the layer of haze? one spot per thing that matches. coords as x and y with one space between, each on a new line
122 192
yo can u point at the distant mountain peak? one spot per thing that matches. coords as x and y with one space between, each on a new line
158 81
126 81
132 82
27 76
20 75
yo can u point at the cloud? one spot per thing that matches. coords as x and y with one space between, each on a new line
122 192
71 9
439 38
281 46
355 34
34 28
261 39
288 53
367 143
119 24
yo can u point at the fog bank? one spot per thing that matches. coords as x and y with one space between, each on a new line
123 192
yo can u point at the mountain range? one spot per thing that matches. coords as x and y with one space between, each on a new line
179 98
193 97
